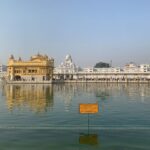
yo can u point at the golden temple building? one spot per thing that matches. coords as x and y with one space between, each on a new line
38 68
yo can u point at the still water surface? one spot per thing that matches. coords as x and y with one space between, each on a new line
47 116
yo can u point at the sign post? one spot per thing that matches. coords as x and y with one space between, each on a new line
88 123
91 108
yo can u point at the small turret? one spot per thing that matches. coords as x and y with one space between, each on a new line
19 59
11 57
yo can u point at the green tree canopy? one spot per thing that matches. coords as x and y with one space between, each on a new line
102 65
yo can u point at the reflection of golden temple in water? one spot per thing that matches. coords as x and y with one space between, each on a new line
38 98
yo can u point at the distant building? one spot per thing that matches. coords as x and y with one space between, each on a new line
144 68
131 68
65 69
108 70
3 68
101 70
88 70
3 71
38 68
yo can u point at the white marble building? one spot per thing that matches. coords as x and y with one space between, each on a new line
129 73
144 68
3 71
131 68
65 69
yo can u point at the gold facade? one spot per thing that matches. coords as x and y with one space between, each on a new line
38 68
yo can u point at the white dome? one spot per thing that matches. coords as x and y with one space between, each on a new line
68 57
62 64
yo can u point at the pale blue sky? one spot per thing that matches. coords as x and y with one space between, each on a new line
89 30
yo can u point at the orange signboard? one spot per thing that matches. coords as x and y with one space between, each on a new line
88 108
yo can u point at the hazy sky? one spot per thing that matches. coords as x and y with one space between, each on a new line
89 30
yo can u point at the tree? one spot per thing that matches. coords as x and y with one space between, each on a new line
102 65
